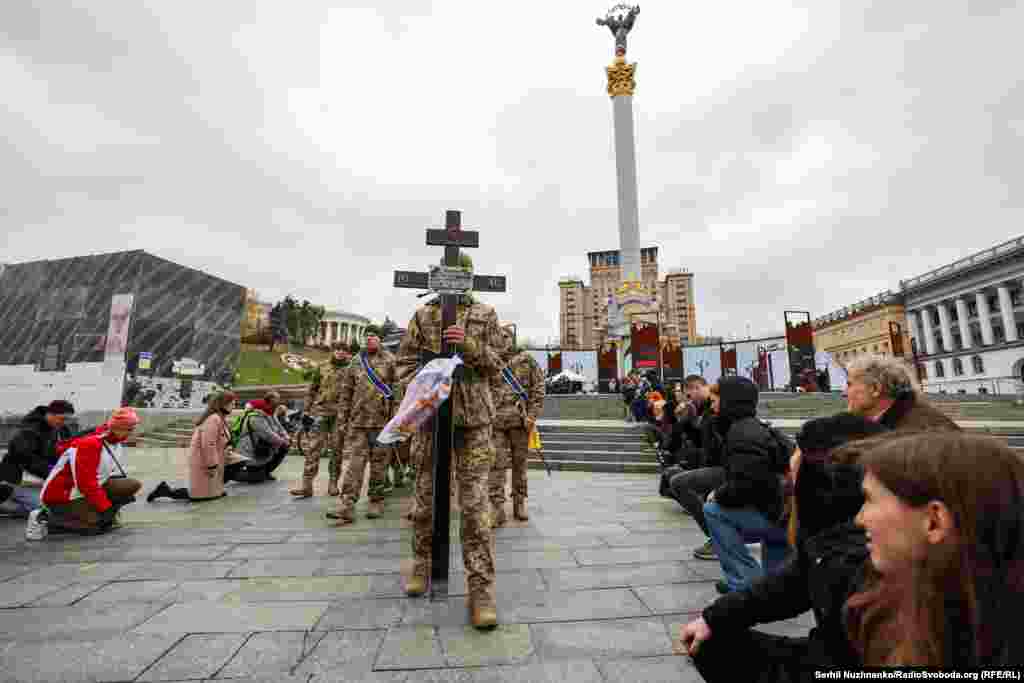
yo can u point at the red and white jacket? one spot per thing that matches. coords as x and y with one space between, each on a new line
86 464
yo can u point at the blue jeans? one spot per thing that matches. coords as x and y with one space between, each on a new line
23 500
731 529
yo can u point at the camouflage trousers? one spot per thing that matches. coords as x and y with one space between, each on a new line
474 458
512 450
313 445
358 451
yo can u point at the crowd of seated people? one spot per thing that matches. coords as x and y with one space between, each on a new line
903 535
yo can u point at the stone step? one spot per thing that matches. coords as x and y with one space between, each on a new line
599 456
593 466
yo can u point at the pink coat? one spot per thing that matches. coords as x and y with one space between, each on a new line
209 442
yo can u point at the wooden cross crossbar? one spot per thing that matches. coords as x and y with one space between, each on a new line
452 238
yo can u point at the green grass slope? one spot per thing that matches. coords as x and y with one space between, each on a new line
257 366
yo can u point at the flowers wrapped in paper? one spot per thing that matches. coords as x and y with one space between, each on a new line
428 390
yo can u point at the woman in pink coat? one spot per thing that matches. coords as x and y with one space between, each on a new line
206 455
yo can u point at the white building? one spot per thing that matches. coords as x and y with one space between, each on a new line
967 322
340 326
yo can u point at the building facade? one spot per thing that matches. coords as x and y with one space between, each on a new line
583 309
340 327
967 322
108 329
874 326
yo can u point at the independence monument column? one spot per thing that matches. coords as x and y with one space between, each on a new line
631 296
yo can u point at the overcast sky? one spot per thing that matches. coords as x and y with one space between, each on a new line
799 155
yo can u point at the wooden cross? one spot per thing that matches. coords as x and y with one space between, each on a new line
452 238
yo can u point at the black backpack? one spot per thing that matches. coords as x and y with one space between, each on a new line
784 447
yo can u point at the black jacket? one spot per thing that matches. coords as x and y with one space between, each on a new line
751 475
33 448
820 576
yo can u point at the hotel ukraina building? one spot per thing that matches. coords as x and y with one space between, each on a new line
963 324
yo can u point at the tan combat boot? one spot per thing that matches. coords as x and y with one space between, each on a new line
519 508
498 514
482 612
343 516
375 509
417 583
332 487
303 491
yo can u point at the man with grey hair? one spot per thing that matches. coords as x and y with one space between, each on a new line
883 389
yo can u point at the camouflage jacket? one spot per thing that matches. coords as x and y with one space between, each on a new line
472 404
322 397
530 376
360 403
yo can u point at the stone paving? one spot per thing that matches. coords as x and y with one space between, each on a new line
256 587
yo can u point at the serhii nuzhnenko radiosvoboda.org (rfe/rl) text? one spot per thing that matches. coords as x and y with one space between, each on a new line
911 674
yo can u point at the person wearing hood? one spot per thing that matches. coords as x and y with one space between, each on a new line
263 444
92 466
34 451
820 575
748 506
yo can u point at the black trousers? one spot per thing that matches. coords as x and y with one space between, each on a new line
251 474
754 657
690 488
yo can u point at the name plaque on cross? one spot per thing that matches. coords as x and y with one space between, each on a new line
447 280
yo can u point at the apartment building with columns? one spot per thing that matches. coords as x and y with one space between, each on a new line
340 327
967 322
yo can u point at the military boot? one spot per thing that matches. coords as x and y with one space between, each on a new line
343 515
332 487
303 491
417 583
375 509
498 513
519 508
483 613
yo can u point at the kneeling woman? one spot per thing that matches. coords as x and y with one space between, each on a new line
206 454
92 466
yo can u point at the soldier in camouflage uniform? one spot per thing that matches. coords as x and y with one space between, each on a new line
363 410
479 343
322 402
515 419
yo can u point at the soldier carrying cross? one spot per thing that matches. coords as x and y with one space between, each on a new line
472 329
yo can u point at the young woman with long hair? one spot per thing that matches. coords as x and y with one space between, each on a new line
206 454
944 518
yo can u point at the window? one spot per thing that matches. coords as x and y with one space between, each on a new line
1015 297
998 334
939 370
978 365
1020 330
51 360
993 304
972 309
958 367
982 390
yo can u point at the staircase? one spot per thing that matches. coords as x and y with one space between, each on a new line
177 434
594 449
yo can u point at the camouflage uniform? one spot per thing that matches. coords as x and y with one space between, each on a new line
510 435
362 413
322 402
472 415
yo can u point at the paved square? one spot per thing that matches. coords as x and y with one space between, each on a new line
256 587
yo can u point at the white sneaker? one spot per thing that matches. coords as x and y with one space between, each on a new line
38 525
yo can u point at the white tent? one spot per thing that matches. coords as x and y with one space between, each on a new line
569 375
